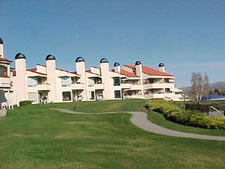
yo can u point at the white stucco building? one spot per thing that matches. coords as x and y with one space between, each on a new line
50 84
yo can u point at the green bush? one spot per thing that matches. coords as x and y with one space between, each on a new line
175 113
25 102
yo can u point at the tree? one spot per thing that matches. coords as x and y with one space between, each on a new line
206 86
199 86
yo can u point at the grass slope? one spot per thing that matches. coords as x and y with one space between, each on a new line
37 137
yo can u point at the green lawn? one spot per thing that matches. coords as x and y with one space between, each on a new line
37 137
104 106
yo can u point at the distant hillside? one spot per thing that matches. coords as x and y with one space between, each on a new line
216 85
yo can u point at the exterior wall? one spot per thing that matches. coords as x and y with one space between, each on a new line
95 70
85 86
41 69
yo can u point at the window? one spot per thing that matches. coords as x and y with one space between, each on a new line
92 95
32 82
39 81
117 94
151 81
66 96
74 80
3 71
91 82
116 81
166 80
167 90
66 81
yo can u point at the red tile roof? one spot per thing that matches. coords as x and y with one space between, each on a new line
128 74
5 60
89 71
150 71
74 73
34 70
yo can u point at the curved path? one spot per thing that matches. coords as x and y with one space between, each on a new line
140 120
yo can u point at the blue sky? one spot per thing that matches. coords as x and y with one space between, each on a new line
186 35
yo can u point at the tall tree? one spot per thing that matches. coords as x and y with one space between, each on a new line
199 85
206 86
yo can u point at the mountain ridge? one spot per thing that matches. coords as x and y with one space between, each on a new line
216 85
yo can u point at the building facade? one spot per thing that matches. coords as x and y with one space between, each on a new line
47 83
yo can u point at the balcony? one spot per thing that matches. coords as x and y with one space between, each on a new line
134 97
43 86
5 82
77 86
168 96
125 85
158 85
135 87
98 86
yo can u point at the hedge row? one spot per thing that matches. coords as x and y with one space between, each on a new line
25 102
190 118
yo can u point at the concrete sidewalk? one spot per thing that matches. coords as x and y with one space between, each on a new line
140 120
3 112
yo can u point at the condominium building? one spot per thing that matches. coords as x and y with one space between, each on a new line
47 83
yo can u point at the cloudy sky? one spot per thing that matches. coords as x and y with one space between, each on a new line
186 35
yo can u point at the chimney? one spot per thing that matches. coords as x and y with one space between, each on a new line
80 69
104 66
138 67
21 78
162 67
117 67
1 48
51 77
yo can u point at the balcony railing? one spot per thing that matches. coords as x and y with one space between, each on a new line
158 85
43 86
78 86
5 82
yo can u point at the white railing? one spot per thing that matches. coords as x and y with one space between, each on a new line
98 86
211 107
77 86
158 85
5 82
43 86
125 85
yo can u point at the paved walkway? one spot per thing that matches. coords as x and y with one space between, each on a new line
140 120
3 112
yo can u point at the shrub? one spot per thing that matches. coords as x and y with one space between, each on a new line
175 113
25 102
